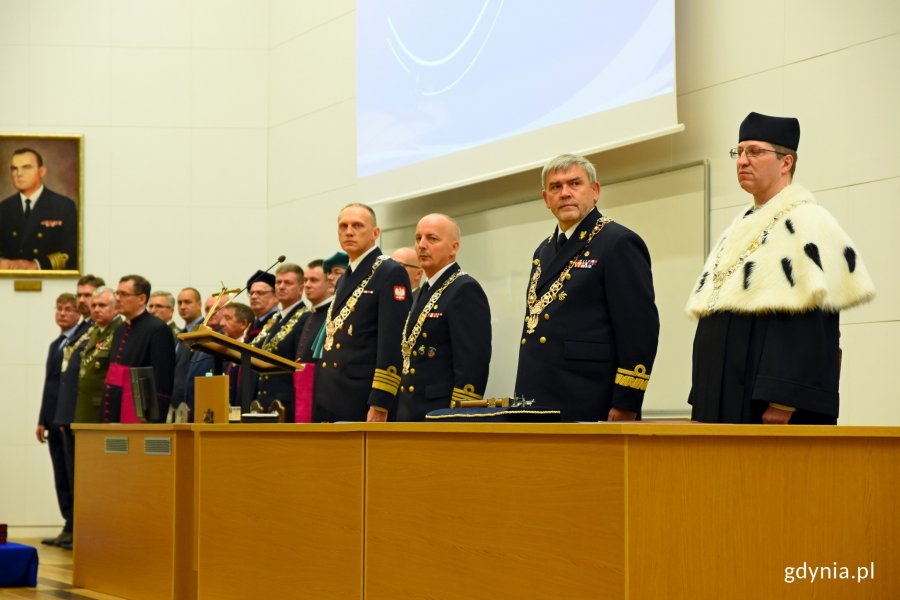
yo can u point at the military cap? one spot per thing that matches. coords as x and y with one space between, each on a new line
338 259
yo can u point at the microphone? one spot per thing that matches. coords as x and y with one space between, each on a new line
278 261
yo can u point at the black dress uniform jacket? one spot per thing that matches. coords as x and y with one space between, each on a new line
452 355
281 386
362 368
593 346
50 236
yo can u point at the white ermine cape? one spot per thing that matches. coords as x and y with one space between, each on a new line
789 255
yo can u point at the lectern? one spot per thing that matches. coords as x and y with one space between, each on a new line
226 349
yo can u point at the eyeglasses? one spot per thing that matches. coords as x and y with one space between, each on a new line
66 309
261 292
752 152
408 266
152 305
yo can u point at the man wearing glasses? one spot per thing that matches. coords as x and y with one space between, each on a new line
263 303
769 296
143 341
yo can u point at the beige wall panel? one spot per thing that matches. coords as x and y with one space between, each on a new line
230 24
228 87
719 41
151 168
289 18
306 229
847 104
869 214
816 27
37 496
81 76
154 248
229 169
15 109
83 23
313 155
153 87
157 24
869 375
437 520
222 246
314 71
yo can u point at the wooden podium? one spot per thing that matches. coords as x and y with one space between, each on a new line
226 349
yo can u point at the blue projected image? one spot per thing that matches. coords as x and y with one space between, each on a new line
435 78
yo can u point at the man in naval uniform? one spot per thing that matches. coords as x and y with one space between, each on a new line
38 227
591 324
281 339
446 346
359 374
770 294
142 341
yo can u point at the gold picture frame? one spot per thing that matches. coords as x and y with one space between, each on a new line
45 241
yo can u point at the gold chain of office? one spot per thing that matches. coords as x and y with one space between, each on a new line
272 343
408 343
332 326
720 277
535 306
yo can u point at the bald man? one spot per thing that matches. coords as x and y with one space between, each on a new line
446 345
407 257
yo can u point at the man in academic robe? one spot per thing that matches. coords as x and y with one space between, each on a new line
446 347
768 301
263 303
143 341
591 324
281 339
359 374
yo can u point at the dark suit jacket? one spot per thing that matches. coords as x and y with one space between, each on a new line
363 367
594 343
452 354
68 382
52 373
51 231
281 386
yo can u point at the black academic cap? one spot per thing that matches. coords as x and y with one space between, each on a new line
782 131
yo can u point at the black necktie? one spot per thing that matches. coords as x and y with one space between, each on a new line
344 281
27 208
560 241
420 299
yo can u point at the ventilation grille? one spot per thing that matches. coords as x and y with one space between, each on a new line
115 445
159 446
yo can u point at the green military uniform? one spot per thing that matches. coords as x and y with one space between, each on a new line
94 365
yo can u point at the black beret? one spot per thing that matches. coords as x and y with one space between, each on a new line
782 131
338 259
266 278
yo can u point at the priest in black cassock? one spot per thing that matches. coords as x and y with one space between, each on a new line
143 341
769 297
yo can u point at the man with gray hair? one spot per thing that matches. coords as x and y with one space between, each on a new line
162 306
591 324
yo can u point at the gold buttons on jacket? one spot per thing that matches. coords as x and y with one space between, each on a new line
543 340
412 389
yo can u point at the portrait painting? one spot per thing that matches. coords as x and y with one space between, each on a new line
41 205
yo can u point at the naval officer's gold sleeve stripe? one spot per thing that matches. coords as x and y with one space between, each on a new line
459 394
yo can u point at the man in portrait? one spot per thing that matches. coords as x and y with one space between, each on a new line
38 227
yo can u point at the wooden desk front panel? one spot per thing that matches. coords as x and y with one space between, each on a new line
133 515
723 517
280 515
494 516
